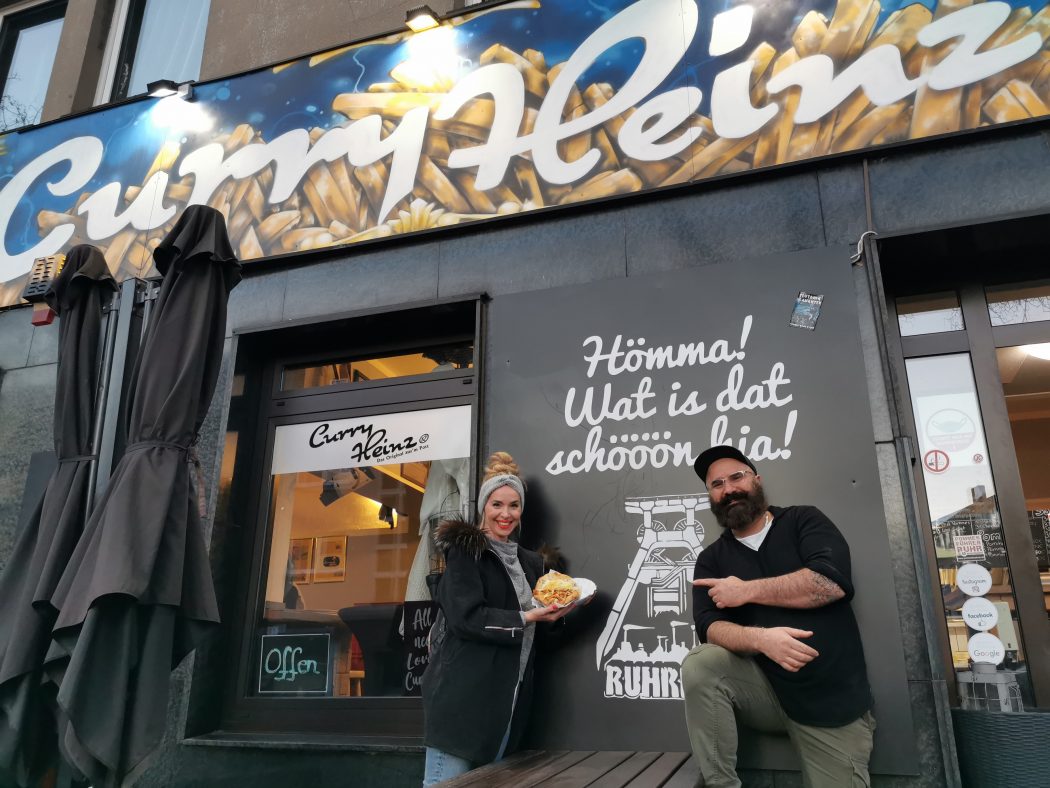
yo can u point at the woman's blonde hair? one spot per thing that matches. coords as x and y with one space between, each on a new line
500 463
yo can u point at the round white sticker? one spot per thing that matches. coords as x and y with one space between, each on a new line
973 580
980 614
986 648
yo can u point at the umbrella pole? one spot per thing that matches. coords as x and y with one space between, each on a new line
101 396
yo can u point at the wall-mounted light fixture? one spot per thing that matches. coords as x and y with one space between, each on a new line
162 88
45 270
421 18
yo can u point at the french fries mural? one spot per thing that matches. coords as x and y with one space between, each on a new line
532 104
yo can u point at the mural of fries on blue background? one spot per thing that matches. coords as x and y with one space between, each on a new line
526 105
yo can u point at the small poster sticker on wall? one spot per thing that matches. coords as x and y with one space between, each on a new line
806 311
969 546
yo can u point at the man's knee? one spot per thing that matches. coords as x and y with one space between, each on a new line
705 662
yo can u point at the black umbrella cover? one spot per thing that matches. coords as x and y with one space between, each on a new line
42 550
137 595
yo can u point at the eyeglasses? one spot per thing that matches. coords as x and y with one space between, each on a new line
735 478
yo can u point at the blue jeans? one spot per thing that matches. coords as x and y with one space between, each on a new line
443 766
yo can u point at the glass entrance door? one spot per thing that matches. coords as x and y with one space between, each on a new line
977 368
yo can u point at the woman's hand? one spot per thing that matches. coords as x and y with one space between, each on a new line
548 614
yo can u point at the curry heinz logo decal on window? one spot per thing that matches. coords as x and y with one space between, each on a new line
530 104
340 444
371 444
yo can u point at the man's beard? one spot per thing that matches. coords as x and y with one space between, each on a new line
751 506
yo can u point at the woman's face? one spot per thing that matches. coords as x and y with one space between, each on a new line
502 513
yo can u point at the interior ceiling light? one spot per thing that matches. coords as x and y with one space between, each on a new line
421 18
336 484
1039 351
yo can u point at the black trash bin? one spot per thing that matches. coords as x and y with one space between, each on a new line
1002 750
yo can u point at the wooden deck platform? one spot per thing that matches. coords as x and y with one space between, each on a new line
564 769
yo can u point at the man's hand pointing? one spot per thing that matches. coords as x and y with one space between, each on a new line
726 591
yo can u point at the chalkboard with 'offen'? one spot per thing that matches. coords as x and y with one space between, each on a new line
295 664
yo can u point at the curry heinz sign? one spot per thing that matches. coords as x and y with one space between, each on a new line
513 108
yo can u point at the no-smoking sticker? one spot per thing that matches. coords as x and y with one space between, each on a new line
936 461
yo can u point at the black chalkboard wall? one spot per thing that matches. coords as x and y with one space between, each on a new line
604 393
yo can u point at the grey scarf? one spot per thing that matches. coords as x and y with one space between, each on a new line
507 552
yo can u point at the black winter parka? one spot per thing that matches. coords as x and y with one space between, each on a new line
469 685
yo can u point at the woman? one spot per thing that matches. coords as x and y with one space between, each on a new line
478 685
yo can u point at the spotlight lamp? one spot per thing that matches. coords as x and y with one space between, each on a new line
421 18
163 88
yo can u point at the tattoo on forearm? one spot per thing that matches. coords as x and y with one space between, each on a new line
824 590
802 588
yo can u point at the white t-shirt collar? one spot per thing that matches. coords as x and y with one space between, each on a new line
755 540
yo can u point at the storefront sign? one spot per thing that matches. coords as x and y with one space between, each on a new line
527 105
414 436
294 664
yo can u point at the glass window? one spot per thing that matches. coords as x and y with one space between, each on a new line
1010 304
347 608
1025 373
443 358
27 55
162 40
929 314
979 606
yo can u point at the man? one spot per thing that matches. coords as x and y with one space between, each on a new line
780 650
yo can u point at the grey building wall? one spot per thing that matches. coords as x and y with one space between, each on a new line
27 405
283 30
79 57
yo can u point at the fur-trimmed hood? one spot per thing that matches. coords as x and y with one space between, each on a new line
462 533
468 537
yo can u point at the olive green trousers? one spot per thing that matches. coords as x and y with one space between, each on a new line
722 688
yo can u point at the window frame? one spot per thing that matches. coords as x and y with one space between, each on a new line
121 44
372 719
131 28
13 21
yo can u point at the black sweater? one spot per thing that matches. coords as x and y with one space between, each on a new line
832 690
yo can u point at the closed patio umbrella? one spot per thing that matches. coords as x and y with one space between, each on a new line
137 595
42 550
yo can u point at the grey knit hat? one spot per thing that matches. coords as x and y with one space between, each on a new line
491 485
